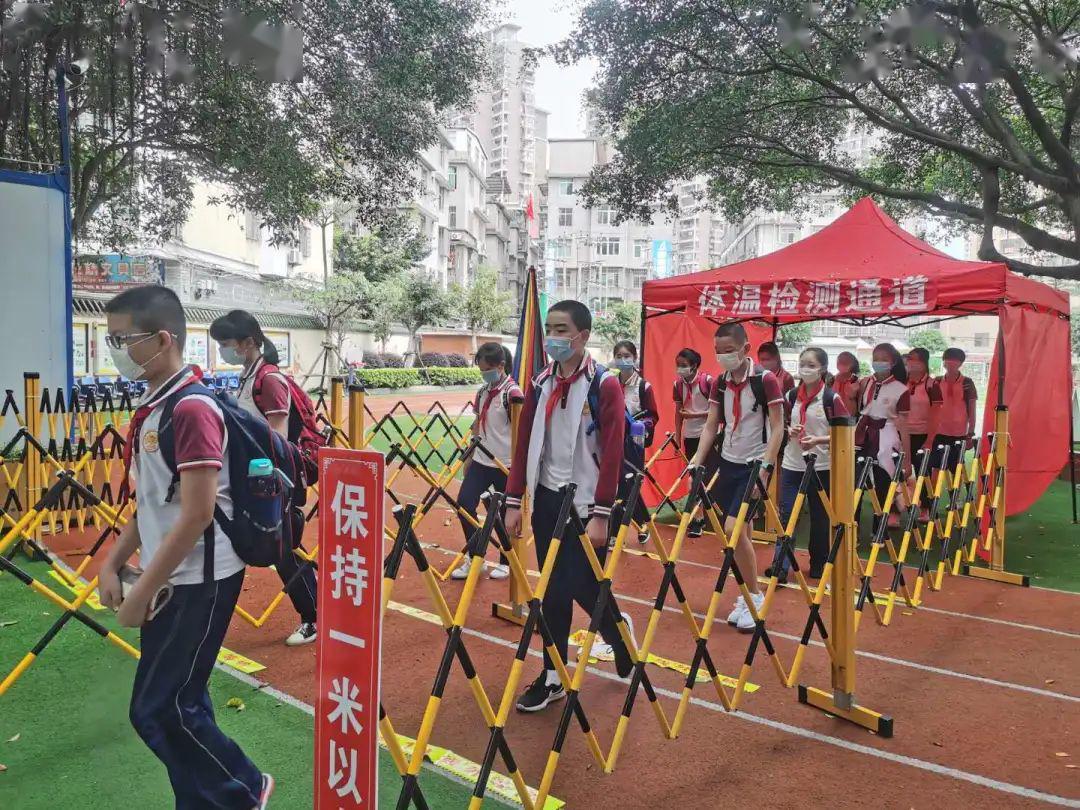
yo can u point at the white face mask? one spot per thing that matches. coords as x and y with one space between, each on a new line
730 360
128 368
807 374
686 373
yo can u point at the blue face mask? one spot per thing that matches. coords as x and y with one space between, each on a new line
881 368
230 356
492 376
624 364
558 348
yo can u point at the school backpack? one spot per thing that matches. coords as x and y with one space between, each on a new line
761 400
263 527
633 455
303 425
828 398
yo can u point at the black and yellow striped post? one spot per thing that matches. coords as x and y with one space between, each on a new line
841 702
968 516
910 532
927 540
996 535
957 478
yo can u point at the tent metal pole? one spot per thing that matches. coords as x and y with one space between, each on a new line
1072 457
641 344
1001 366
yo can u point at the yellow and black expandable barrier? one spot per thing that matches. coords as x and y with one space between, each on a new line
71 610
841 702
995 533
910 529
454 624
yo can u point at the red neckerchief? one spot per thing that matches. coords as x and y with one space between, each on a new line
913 386
805 398
481 419
688 393
736 400
562 389
952 389
873 386
135 426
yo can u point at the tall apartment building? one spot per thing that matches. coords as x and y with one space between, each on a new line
698 230
428 206
467 217
587 256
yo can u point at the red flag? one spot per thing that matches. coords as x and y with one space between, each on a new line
530 213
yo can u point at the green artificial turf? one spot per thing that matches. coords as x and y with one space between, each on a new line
75 747
435 449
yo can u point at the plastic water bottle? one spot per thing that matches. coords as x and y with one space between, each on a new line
264 485
637 433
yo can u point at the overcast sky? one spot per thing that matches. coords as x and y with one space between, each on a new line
558 89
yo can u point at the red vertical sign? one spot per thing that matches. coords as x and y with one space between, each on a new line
350 628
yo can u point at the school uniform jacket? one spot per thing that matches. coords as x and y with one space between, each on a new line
594 459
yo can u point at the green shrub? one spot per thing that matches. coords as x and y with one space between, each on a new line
454 376
389 377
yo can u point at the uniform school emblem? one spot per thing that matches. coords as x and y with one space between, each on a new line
150 441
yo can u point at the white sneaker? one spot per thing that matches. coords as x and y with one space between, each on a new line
602 650
499 572
304 634
745 623
738 611
462 571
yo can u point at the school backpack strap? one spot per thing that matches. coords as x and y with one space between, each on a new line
167 448
828 402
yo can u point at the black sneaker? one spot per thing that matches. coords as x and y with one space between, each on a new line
781 577
697 528
539 694
643 537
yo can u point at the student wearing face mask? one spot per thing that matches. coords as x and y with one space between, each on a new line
746 399
921 406
881 432
768 355
957 420
641 405
265 392
566 435
492 407
846 381
692 390
178 542
811 404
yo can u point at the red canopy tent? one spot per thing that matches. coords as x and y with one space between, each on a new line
864 269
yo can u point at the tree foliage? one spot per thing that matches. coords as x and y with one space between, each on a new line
481 305
930 339
170 96
337 303
794 335
420 301
621 323
969 109
1075 326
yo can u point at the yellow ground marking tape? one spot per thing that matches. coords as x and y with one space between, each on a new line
239 662
578 638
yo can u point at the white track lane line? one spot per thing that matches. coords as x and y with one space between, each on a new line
901 662
942 612
837 742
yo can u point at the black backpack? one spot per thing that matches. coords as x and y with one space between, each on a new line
757 387
828 398
255 541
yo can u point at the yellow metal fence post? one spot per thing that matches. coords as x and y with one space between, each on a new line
841 702
337 392
32 459
996 501
357 428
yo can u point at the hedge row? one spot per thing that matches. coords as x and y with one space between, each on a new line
406 377
431 359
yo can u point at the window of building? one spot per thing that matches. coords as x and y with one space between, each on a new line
566 217
641 248
305 241
605 216
451 216
451 177
982 340
613 277
607 246
251 226
566 187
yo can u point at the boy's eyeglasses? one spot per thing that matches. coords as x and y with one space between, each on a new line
123 341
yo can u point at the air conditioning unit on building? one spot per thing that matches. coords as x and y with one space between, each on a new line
293 257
